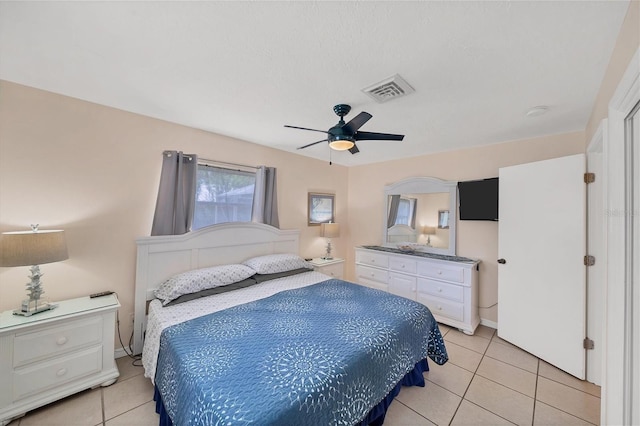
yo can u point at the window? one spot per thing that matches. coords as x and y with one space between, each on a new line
223 195
406 210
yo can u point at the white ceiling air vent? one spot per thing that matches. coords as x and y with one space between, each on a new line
391 88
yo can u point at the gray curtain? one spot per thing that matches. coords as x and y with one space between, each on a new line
413 213
394 203
176 194
265 200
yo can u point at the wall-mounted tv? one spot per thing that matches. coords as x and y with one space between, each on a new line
478 199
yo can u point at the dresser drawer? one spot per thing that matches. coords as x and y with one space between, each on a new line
441 272
42 376
402 285
30 347
441 289
402 265
372 274
373 259
442 307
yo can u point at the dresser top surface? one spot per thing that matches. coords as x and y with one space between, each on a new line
64 309
422 254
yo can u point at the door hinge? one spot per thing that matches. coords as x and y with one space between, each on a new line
588 343
589 260
589 177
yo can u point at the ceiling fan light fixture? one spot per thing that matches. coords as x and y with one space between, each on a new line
341 144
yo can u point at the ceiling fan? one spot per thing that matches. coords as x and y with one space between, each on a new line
343 136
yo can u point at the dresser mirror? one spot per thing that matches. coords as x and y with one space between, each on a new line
420 215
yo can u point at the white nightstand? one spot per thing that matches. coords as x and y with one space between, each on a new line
56 353
333 267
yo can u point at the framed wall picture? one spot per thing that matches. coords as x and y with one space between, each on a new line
321 208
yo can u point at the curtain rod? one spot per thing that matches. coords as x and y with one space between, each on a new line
170 153
206 162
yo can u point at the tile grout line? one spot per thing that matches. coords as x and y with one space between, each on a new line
472 377
102 405
535 393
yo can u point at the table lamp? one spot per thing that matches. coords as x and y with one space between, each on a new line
429 231
35 247
329 231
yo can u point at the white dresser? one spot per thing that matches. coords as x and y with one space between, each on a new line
448 285
56 353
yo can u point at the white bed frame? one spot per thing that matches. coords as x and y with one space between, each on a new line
163 256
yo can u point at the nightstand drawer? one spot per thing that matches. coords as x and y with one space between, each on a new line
30 347
441 307
441 272
42 376
441 289
334 270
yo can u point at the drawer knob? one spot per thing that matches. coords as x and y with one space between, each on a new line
61 372
61 340
373 261
439 272
439 308
402 266
439 289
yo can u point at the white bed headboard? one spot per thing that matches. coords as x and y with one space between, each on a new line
164 256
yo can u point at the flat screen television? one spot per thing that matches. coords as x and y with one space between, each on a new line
478 199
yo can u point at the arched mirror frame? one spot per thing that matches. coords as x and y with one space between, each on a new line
424 185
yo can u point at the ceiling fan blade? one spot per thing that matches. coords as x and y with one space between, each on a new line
357 122
354 149
371 136
304 128
313 143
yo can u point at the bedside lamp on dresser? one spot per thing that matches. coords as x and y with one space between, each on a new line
33 248
329 231
47 354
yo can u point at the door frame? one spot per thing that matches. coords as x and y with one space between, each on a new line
616 405
596 246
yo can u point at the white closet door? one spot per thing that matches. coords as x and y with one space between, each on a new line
542 239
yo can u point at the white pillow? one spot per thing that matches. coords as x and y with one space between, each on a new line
274 263
201 279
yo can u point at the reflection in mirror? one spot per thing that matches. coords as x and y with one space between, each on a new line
418 213
443 219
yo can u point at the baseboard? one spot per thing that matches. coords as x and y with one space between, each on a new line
119 353
486 322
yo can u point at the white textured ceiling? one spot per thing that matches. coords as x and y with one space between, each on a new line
244 69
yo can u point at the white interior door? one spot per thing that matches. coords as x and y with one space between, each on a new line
542 239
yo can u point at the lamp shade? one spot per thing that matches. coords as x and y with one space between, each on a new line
329 230
429 230
26 248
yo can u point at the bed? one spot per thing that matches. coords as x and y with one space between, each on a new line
293 347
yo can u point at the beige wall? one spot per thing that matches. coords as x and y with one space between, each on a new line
94 171
475 239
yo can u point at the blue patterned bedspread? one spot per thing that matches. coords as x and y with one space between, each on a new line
323 354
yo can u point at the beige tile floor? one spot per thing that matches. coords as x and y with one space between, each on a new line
487 381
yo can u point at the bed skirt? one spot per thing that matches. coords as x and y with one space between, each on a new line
375 417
